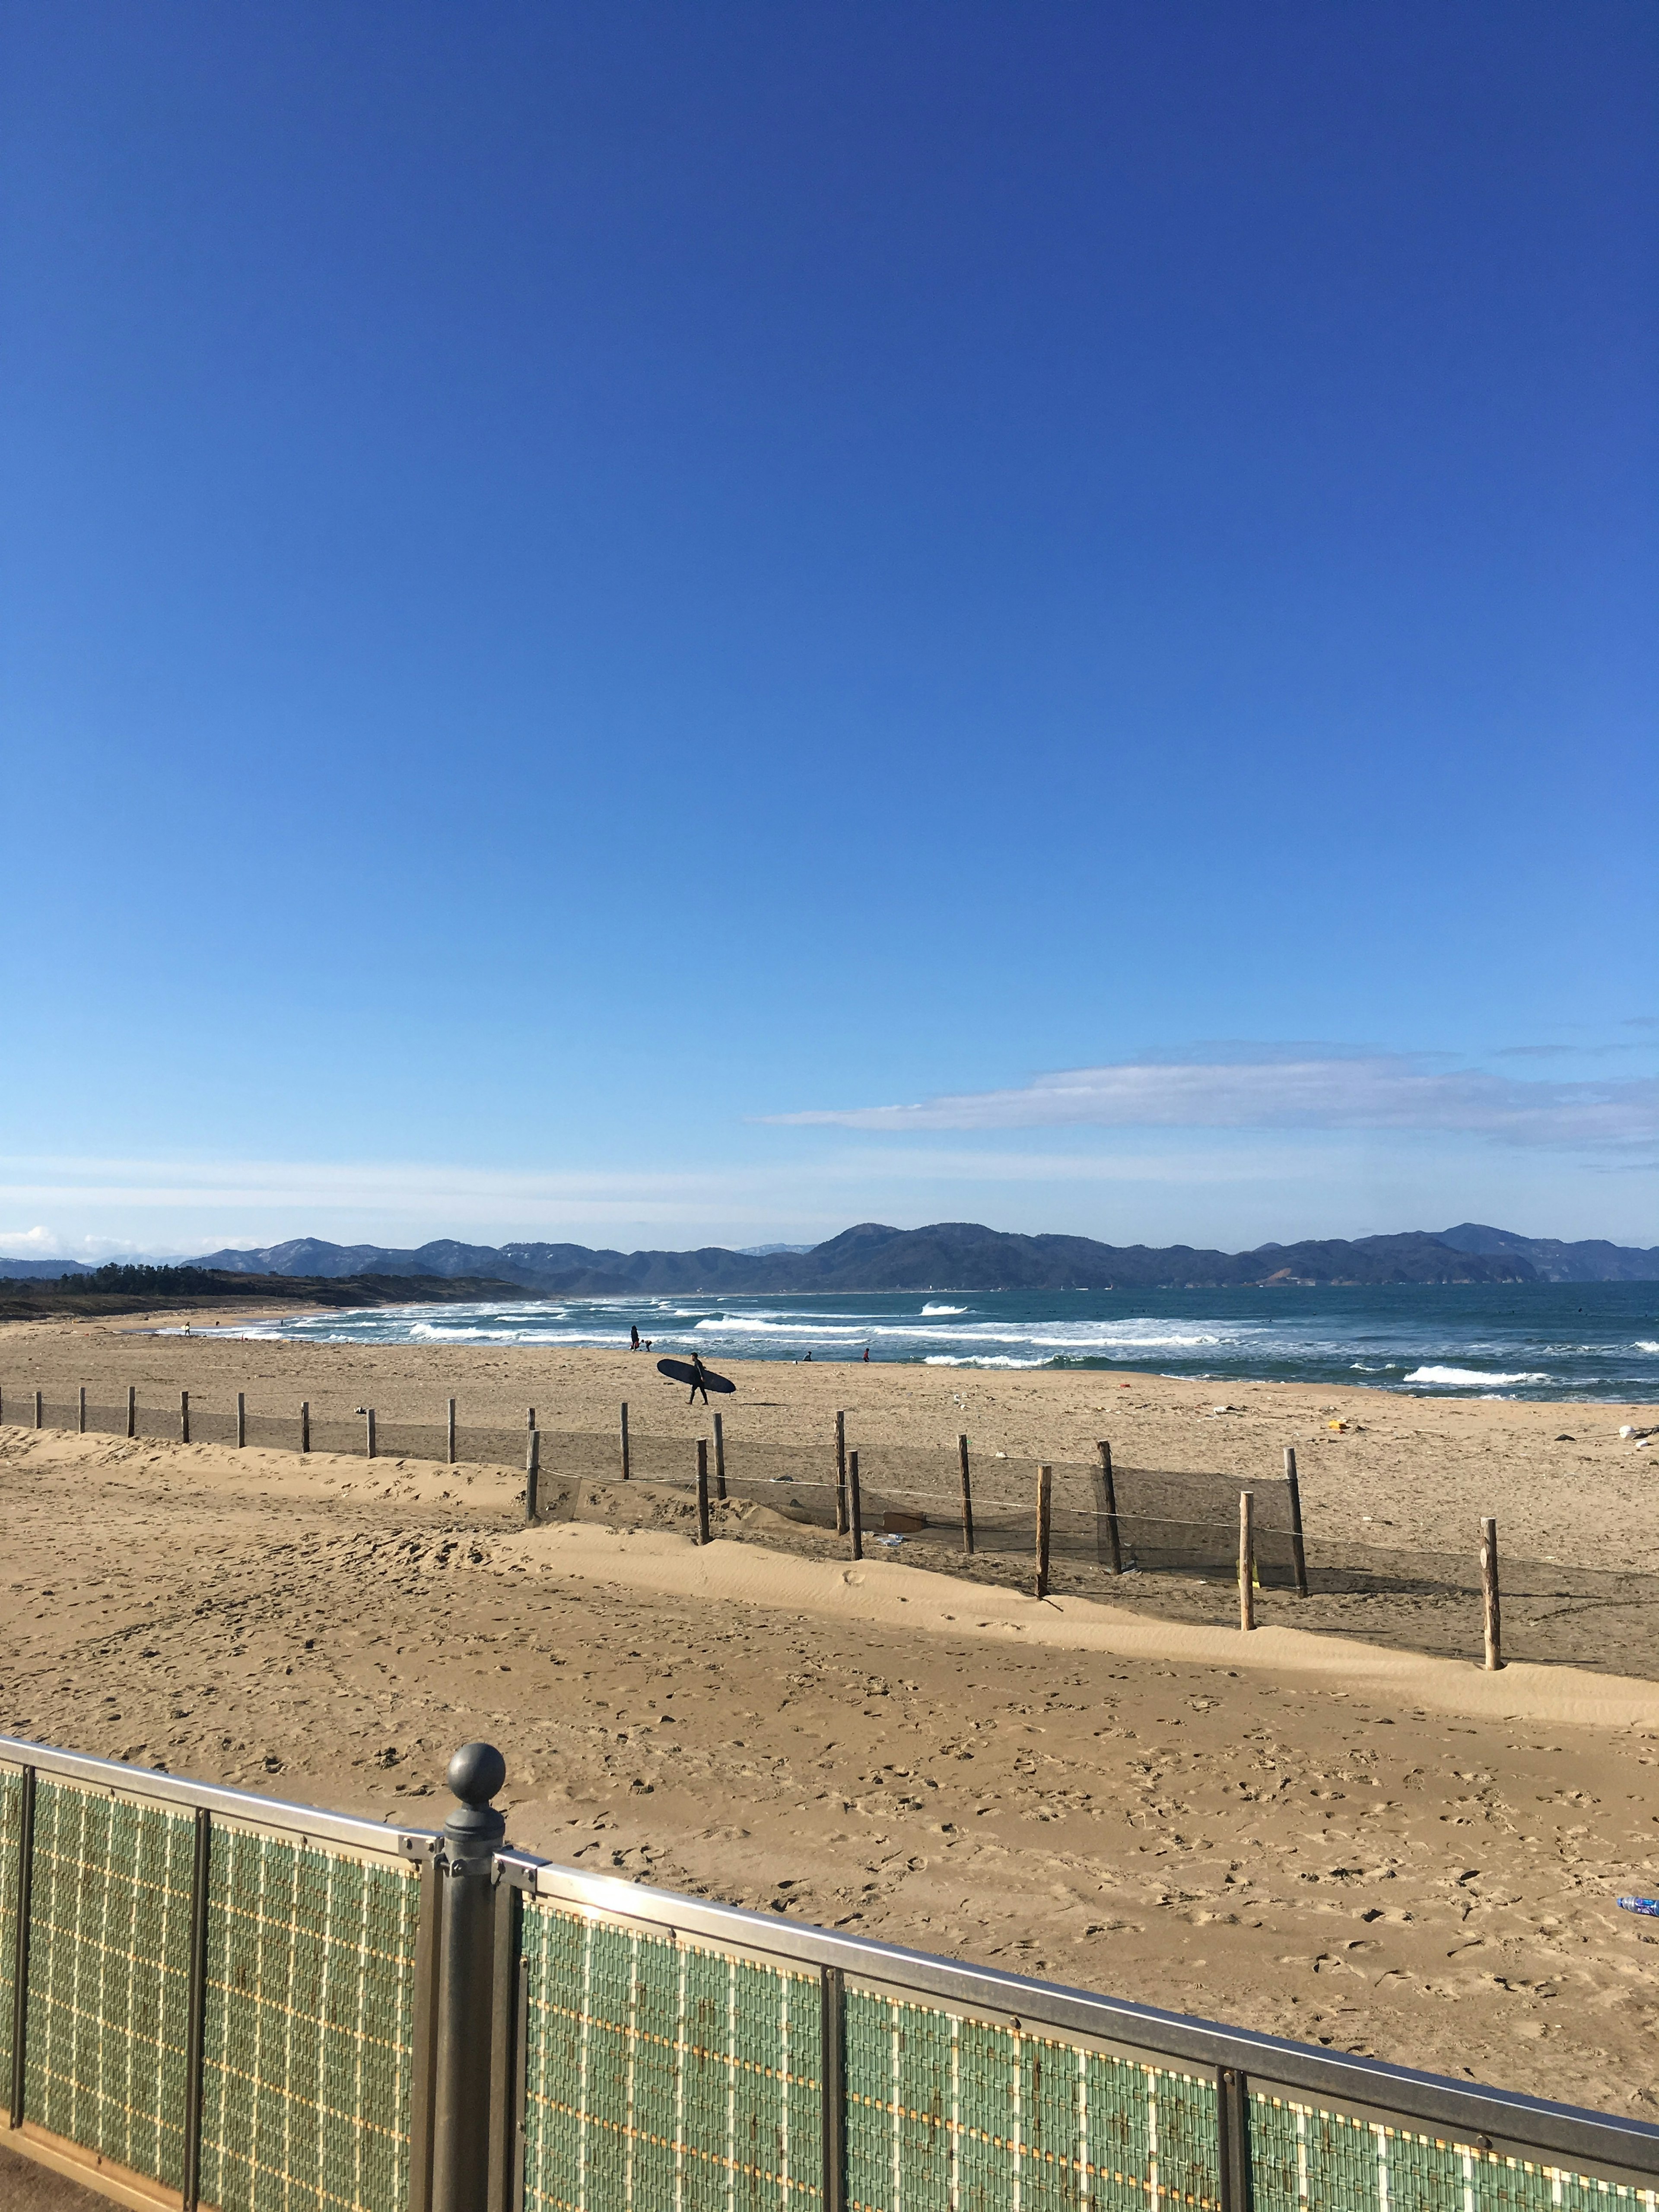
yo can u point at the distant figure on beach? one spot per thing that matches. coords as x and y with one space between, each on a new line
866 1355
699 1380
806 1355
634 1333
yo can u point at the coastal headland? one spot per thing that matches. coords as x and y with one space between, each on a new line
1297 1832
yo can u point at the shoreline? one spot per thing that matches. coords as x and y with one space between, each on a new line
1402 1471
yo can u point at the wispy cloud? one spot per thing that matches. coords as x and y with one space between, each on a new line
1374 1092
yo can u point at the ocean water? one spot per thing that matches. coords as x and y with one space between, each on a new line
1595 1341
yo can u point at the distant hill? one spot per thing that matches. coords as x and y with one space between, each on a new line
957 1255
949 1255
1591 1261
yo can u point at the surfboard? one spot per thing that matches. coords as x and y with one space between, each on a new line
682 1370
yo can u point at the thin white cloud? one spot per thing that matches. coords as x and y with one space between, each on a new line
1372 1091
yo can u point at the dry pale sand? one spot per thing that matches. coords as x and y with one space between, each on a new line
1393 1854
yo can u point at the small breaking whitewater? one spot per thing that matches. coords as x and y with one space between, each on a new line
1538 1341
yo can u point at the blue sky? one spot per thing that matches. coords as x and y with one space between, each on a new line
596 598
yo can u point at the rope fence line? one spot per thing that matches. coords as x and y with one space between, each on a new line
1086 1526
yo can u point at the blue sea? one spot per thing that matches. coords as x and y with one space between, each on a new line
1595 1341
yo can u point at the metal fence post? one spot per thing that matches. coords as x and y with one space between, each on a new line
195 2034
1232 2112
424 2039
507 2052
19 1955
461 2069
832 2042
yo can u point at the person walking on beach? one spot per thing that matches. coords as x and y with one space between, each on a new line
634 1333
699 1380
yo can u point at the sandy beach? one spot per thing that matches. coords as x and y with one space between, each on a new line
1297 1832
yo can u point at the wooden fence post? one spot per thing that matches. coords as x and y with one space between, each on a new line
81 1412
626 1466
132 1409
1045 1491
368 1426
702 1490
1492 1622
855 1506
242 1420
1298 1551
1247 1558
1108 1494
532 1474
39 1410
967 1499
720 1456
529 1419
841 1474
449 1432
184 1417
305 1425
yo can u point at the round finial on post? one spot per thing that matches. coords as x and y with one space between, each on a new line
476 1772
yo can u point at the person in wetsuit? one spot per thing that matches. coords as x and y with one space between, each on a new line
699 1380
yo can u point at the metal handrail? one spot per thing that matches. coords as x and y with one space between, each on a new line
353 1830
1488 2119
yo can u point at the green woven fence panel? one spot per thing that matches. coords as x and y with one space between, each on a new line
11 1819
949 2114
666 2077
1303 2157
109 1976
308 2028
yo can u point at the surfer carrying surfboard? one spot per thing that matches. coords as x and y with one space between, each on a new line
693 1372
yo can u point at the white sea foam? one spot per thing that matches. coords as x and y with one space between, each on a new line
982 1360
1467 1378
1420 1345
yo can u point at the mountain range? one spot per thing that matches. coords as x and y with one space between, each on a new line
949 1255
